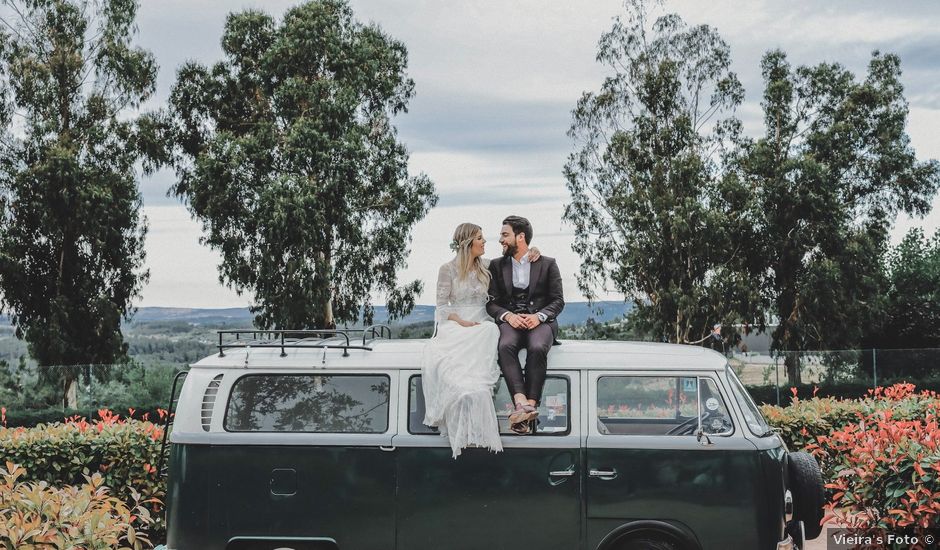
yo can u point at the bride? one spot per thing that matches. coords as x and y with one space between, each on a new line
458 367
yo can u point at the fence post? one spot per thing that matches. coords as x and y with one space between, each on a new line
874 366
777 374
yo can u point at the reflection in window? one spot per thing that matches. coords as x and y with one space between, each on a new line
309 403
752 415
553 410
659 405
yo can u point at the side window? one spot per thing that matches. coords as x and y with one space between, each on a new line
309 403
553 410
660 405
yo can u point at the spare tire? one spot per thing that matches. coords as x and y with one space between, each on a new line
809 494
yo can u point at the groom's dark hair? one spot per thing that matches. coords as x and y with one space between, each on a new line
520 225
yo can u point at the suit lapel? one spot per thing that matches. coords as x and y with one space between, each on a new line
507 274
535 272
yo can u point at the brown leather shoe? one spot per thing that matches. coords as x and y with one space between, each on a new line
521 428
523 413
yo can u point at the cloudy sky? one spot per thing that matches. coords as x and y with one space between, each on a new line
496 82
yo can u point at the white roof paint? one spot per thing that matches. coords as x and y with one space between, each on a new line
406 354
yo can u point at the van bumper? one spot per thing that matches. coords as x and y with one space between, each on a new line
786 544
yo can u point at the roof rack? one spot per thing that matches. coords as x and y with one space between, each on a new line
337 338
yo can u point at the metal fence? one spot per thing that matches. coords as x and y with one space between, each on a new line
30 394
846 373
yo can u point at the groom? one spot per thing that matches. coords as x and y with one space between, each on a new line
526 299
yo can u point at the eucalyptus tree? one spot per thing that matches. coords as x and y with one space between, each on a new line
905 337
287 155
654 219
71 232
912 309
831 171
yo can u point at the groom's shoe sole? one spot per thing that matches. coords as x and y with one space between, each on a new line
522 428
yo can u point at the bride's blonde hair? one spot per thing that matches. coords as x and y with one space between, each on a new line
466 264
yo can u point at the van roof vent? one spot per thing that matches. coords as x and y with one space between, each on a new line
208 401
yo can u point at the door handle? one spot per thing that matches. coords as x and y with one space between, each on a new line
562 473
387 449
606 475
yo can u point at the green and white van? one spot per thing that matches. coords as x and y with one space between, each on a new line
303 440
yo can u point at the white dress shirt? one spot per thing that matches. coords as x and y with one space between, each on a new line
521 269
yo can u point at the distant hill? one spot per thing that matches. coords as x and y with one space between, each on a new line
193 315
575 313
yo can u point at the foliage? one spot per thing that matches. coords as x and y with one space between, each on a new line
287 155
805 420
123 452
652 217
30 399
854 389
28 418
35 516
831 172
878 454
912 310
71 234
423 329
884 471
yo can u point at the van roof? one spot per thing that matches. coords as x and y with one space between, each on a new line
406 354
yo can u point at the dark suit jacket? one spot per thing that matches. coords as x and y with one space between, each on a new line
545 293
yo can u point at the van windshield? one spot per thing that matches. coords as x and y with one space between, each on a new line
752 416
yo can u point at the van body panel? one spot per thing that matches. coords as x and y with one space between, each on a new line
482 500
306 491
187 497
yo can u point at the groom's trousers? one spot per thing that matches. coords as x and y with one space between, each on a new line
536 342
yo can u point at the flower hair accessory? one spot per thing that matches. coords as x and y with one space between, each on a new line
454 246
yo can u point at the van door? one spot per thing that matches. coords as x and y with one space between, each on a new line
304 461
645 462
527 496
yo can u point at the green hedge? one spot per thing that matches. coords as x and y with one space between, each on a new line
124 452
803 421
767 394
28 418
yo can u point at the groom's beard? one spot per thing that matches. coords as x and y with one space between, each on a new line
510 250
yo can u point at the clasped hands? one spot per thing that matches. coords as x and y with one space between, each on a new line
526 321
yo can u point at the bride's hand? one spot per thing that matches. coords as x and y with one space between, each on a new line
534 254
463 323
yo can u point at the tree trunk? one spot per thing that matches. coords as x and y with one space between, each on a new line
71 393
328 321
791 361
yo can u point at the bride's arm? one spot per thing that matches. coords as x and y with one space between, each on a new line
445 284
444 311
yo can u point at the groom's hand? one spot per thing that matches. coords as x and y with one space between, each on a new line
516 321
531 320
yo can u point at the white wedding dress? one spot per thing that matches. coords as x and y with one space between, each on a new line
458 367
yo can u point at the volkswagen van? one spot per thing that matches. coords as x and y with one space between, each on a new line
314 441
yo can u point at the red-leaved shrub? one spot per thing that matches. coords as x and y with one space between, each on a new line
883 470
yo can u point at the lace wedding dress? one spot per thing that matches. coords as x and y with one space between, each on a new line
458 367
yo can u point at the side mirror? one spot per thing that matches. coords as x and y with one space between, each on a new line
703 438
